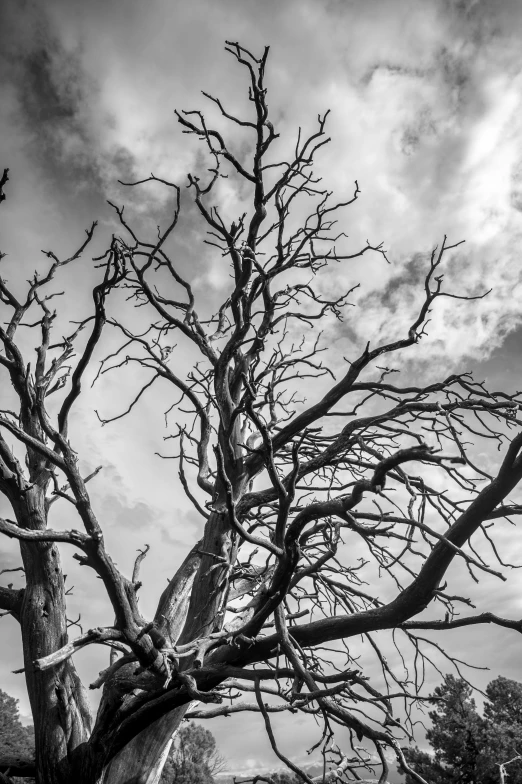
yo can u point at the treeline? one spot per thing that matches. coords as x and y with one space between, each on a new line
467 746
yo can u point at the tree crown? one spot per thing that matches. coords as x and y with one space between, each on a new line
323 520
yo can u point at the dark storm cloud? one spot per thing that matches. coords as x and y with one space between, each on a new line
50 92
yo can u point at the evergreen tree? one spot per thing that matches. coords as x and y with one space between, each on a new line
285 777
16 741
503 730
468 748
194 758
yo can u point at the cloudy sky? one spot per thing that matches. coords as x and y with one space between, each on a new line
426 114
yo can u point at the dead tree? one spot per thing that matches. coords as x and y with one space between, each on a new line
263 611
502 768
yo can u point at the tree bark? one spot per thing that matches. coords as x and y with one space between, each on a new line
143 759
62 718
192 603
145 756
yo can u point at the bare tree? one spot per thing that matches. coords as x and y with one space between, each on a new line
262 613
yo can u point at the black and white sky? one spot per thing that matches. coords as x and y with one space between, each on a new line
426 114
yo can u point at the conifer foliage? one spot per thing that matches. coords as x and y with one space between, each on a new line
469 748
16 741
194 758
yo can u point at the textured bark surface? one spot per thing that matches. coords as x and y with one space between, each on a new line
142 760
59 703
146 754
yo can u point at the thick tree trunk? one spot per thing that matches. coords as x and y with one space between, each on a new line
193 603
143 759
205 612
61 714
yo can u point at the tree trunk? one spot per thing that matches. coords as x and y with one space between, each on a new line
61 714
193 600
143 759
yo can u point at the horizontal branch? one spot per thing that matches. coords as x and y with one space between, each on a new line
13 531
101 636
457 623
237 707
